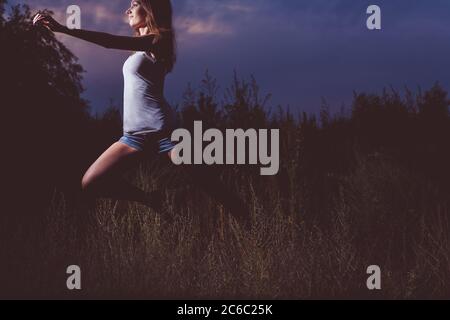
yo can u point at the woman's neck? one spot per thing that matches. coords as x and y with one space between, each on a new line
143 31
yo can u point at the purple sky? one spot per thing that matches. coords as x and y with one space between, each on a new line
298 50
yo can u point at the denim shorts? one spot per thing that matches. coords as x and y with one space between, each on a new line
152 142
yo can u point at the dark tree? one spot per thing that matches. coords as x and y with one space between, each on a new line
46 120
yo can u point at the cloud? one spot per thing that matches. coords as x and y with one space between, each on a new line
238 7
208 18
209 26
103 13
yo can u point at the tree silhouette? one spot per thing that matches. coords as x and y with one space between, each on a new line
47 122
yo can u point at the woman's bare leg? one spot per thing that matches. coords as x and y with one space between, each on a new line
103 178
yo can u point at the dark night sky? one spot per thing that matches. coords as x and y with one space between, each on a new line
298 50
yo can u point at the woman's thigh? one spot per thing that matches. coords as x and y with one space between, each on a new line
116 159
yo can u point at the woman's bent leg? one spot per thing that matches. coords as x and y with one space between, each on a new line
103 178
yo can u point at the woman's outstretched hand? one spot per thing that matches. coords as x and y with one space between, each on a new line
48 22
106 40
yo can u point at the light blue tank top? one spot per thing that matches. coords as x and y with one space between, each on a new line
144 107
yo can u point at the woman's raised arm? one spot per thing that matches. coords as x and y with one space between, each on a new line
106 40
110 41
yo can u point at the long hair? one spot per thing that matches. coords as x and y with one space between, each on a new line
159 22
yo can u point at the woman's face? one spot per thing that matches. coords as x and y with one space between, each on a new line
136 15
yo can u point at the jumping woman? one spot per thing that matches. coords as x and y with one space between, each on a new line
148 120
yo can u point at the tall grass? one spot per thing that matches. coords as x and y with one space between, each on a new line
131 251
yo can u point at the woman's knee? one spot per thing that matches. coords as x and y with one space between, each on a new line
86 183
89 183
109 166
94 182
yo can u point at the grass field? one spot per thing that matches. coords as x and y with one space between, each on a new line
380 216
